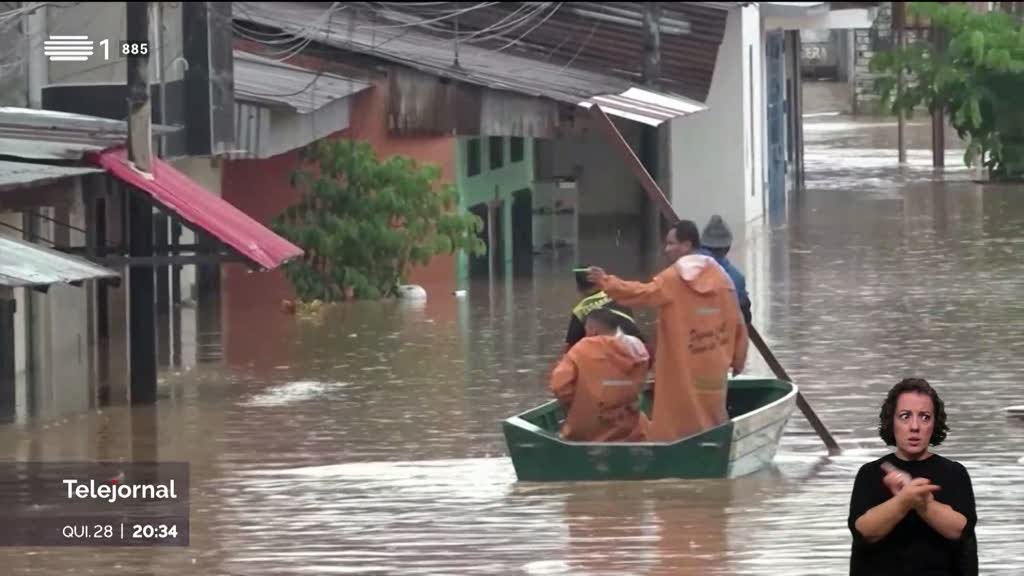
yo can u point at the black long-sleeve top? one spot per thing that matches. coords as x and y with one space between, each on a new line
913 547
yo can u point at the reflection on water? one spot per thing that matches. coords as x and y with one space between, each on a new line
367 439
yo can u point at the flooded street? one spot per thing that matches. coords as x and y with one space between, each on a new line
368 440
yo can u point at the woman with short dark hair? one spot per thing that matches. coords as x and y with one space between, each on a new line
912 511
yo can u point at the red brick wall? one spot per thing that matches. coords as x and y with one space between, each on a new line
261 188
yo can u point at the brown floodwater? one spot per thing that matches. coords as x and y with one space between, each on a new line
367 440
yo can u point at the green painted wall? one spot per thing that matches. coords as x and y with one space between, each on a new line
489 185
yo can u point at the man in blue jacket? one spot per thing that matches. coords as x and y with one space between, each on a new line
716 240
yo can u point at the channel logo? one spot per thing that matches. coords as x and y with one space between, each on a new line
68 48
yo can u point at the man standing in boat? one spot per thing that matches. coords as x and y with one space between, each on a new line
701 334
716 241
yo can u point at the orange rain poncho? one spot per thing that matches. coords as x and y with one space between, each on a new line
701 334
598 383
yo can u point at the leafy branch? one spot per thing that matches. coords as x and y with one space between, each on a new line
978 77
364 222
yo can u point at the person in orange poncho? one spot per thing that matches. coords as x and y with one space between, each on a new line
701 334
598 383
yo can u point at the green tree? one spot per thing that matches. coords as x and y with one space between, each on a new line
978 77
363 221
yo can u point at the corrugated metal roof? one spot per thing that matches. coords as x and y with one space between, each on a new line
43 150
22 174
32 124
26 264
476 65
259 79
201 208
48 135
603 37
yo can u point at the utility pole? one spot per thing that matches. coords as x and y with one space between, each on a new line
38 71
652 44
142 311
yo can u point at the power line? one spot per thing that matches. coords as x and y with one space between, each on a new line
532 10
303 37
582 45
538 25
477 6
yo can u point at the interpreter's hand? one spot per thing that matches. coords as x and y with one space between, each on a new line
918 492
895 481
596 275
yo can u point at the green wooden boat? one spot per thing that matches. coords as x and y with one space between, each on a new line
759 409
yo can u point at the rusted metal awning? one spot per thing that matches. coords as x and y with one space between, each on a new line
607 38
202 209
31 265
518 71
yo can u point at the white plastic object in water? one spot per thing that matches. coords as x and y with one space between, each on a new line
1015 411
459 293
412 292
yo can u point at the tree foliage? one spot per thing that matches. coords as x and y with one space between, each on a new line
363 221
978 77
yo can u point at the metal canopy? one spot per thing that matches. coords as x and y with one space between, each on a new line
63 127
25 264
25 174
644 106
202 209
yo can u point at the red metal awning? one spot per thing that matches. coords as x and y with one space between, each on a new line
202 209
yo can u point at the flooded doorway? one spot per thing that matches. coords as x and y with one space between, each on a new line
522 233
493 236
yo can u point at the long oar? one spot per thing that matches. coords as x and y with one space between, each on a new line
658 197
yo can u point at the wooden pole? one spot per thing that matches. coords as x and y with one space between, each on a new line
658 198
939 114
899 19
8 384
142 317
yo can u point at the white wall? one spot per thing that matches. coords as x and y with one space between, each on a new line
61 332
754 114
717 155
803 19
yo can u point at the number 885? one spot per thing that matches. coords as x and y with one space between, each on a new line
134 49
